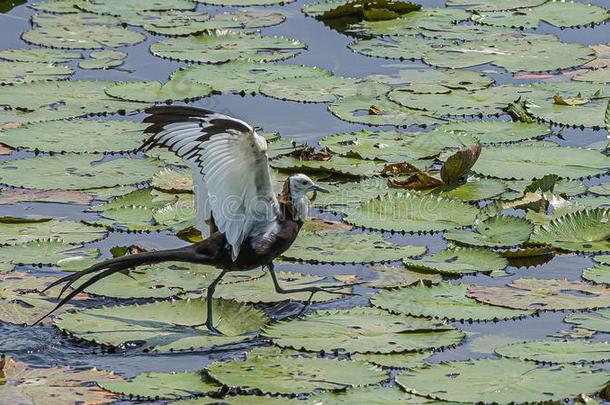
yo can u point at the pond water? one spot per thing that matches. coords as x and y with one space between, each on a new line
306 123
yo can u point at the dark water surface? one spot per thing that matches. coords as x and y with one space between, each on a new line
303 122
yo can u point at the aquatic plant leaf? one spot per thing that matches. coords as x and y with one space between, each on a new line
498 231
343 195
561 14
241 400
589 115
459 261
76 136
437 80
600 189
110 7
244 3
372 395
25 72
406 47
427 19
173 181
598 274
151 92
38 55
459 163
378 110
529 161
246 19
163 326
393 360
20 300
156 385
15 231
338 165
443 301
557 351
495 131
168 22
25 384
582 231
57 6
334 247
360 10
18 195
76 172
494 5
322 89
44 252
242 75
514 381
544 295
598 321
411 212
80 36
262 290
224 46
294 375
103 60
473 189
394 276
362 330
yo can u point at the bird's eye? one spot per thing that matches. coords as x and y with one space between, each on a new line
304 182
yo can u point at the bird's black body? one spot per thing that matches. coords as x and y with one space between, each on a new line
261 245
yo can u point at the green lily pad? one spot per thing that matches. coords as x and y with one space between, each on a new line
494 5
557 351
590 114
393 360
394 276
459 261
44 252
168 22
18 195
498 231
245 19
151 92
242 75
529 161
164 326
244 3
473 189
362 330
435 80
444 301
76 172
379 110
338 165
496 131
26 72
373 395
294 375
110 7
80 36
38 55
158 386
544 295
103 60
411 212
601 189
224 46
405 47
15 231
598 321
57 6
514 381
319 89
343 195
241 400
173 181
595 76
262 290
561 14
76 136
582 231
334 247
598 274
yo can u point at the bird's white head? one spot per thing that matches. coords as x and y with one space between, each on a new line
299 186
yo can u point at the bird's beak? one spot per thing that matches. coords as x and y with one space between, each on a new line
315 187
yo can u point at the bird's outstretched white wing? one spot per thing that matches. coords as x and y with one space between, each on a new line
229 163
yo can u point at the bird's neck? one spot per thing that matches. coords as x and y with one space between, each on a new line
293 207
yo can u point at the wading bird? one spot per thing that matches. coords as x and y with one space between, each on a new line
244 224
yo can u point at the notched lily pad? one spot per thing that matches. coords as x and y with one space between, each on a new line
557 351
498 232
456 261
151 92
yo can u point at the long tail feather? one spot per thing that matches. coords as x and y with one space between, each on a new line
115 265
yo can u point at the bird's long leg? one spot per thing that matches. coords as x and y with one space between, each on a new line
209 321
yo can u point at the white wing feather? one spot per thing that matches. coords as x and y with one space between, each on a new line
230 173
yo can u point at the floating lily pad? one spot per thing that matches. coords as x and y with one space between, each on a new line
557 351
473 189
601 189
529 161
379 111
151 92
44 252
224 46
26 384
262 290
322 89
513 381
582 231
38 55
373 395
335 165
76 172
22 230
498 231
241 400
244 3
343 195
598 321
111 7
394 276
173 181
168 22
103 60
435 80
406 47
459 261
410 212
595 76
293 375
25 72
158 386
362 330
561 14
541 294
242 75
598 274
246 19
393 360
76 136
445 300
334 247
80 36
590 114
18 195
164 326
496 131
494 5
